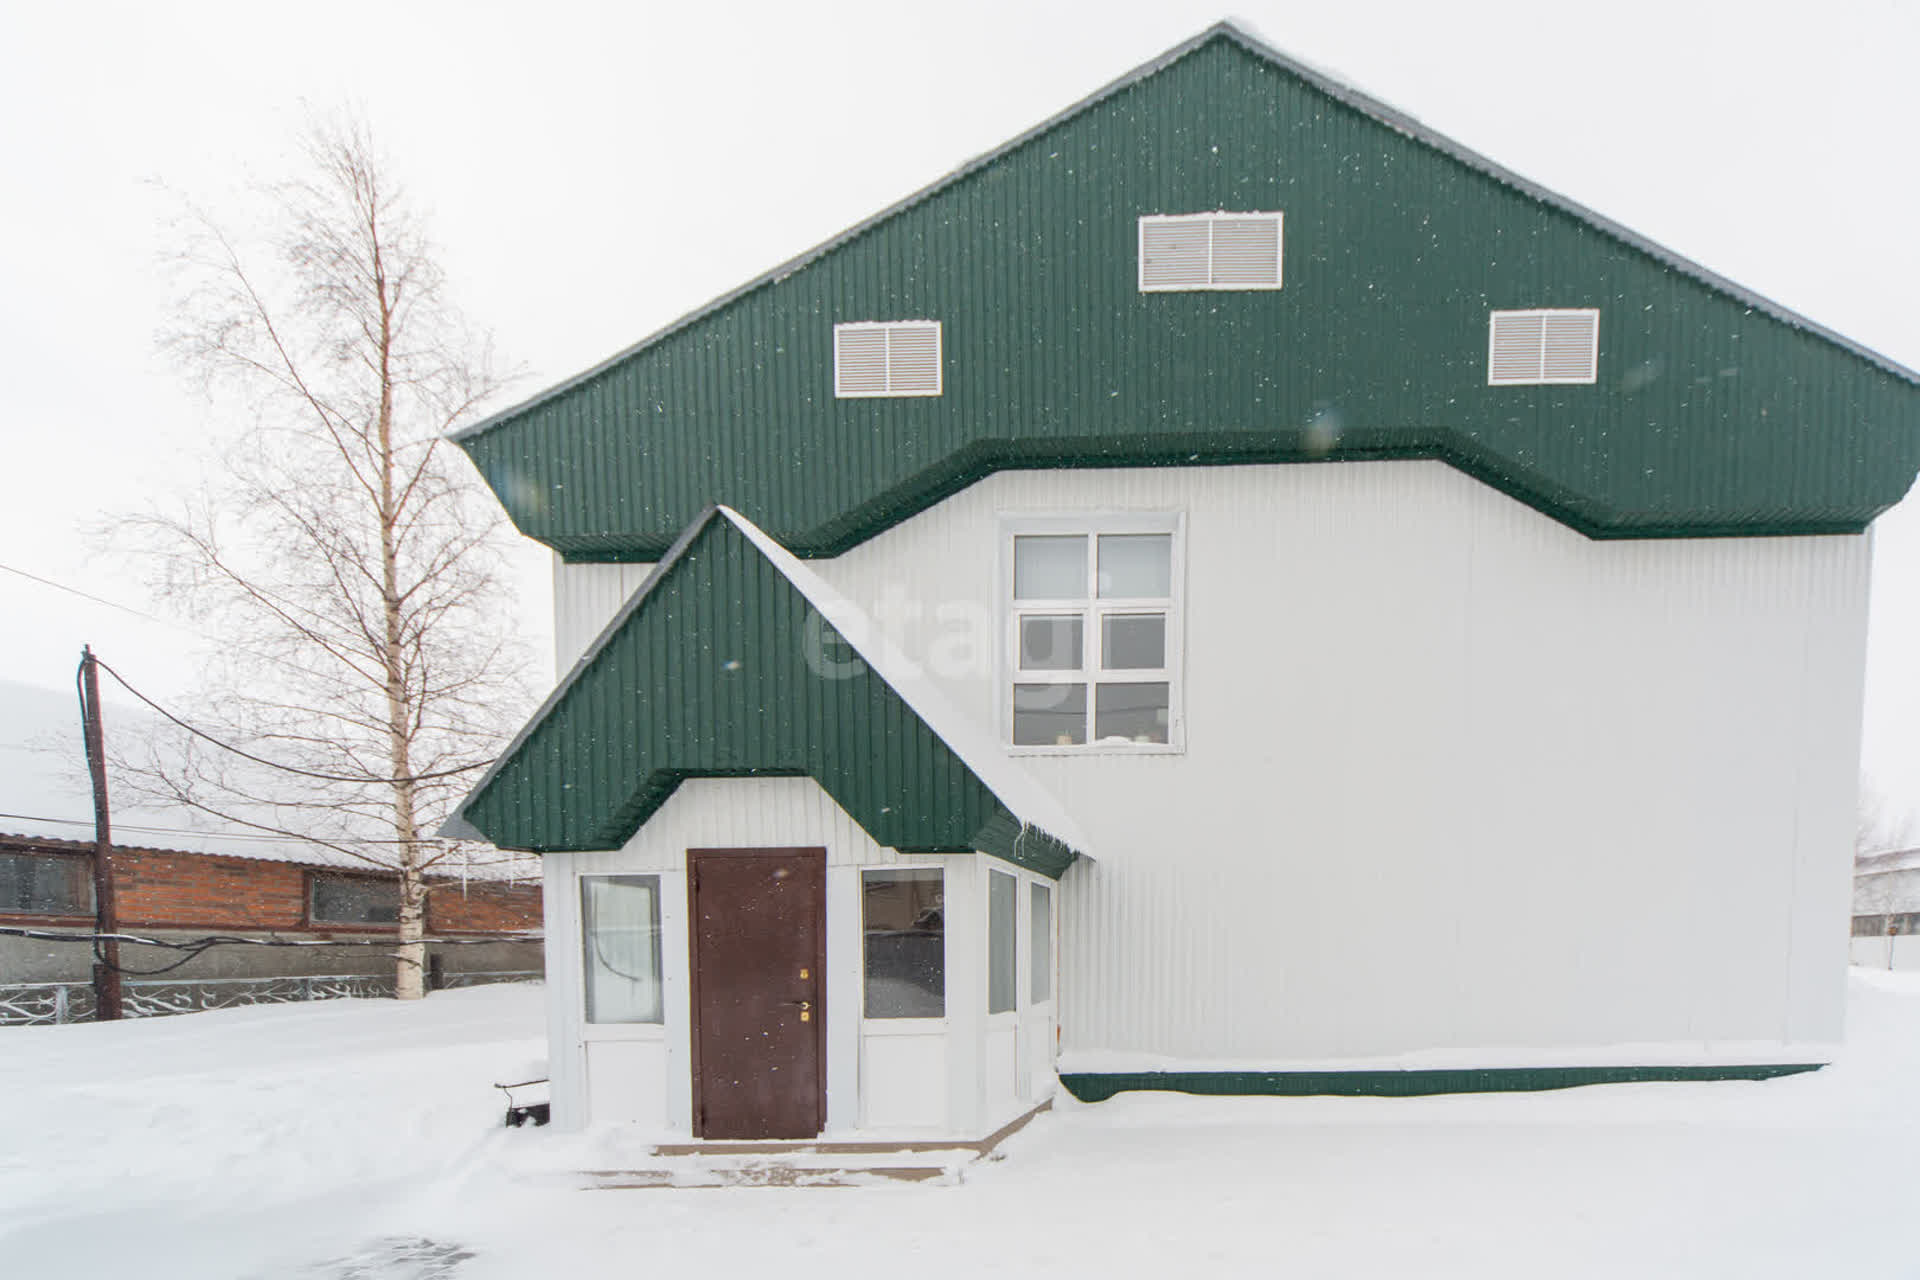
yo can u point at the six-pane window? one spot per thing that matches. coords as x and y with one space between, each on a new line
1003 942
1093 639
1040 942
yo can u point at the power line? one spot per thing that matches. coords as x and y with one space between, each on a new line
207 636
273 764
238 835
87 595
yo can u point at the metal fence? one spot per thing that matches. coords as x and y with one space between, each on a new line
27 1003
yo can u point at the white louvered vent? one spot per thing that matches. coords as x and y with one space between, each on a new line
898 358
1210 251
1533 348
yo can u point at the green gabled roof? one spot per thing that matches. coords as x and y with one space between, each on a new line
1717 411
729 662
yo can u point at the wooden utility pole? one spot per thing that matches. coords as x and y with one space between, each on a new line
106 966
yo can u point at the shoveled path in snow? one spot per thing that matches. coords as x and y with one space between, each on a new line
286 1142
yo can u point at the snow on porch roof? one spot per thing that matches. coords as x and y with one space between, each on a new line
717 667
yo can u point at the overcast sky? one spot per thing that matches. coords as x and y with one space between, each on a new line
592 171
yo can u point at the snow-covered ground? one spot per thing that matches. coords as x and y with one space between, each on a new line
360 1140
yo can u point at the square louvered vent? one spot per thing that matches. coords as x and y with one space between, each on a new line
1534 348
1210 251
900 358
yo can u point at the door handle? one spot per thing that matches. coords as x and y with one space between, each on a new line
803 1005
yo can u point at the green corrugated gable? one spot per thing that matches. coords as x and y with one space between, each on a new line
1716 413
707 674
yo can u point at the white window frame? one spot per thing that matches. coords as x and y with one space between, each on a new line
1092 608
908 1026
1545 314
890 328
1159 219
642 1027
1012 1012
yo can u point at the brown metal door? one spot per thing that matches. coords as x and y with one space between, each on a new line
759 943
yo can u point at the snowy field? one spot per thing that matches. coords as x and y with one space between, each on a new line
360 1140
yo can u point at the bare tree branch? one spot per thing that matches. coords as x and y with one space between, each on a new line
346 552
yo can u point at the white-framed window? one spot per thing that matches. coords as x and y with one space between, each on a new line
1039 941
620 935
1543 347
1210 251
890 358
1003 942
1093 633
904 942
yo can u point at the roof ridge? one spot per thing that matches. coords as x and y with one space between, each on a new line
1325 83
1016 791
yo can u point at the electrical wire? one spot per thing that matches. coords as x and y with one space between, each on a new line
274 764
219 835
87 595
172 623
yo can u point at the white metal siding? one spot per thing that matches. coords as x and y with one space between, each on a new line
585 599
1455 776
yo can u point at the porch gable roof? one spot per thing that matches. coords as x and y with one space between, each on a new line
735 660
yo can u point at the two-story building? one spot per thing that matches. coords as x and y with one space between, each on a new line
1230 591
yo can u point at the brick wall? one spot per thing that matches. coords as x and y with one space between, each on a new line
154 888
157 888
483 907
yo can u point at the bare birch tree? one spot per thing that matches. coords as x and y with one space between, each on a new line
338 544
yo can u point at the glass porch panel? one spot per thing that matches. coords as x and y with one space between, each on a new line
904 935
1003 903
620 930
1049 715
1133 712
1039 942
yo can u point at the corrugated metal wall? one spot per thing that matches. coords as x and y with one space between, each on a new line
1454 775
1709 417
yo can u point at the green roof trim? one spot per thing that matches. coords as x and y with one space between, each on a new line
1099 1086
1717 413
722 665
